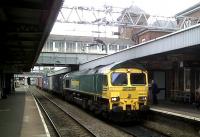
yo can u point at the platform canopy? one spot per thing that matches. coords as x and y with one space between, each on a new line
24 25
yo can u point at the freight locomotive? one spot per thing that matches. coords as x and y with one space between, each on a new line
107 89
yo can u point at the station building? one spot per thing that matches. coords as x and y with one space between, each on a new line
177 72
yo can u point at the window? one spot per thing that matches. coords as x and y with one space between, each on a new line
105 80
48 47
137 78
121 47
113 47
80 47
119 79
71 47
93 49
59 46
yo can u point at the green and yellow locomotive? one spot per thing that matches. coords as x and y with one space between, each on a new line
109 88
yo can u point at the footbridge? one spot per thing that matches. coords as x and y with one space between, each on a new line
63 59
62 50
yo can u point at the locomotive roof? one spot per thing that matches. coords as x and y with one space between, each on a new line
101 69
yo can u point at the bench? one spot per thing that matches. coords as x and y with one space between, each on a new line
182 96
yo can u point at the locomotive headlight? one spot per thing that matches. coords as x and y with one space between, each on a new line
114 99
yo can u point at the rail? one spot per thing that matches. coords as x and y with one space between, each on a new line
63 123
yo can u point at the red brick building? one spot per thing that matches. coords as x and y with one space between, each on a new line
132 18
138 28
149 34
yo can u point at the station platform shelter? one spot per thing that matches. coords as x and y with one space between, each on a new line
179 84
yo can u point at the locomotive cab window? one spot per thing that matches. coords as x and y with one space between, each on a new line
137 78
119 79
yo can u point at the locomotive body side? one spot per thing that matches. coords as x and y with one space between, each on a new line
85 90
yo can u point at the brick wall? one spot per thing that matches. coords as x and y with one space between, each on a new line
129 33
151 35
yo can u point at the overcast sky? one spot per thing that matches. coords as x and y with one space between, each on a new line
167 8
153 7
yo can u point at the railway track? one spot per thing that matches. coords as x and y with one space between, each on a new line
131 130
140 131
64 125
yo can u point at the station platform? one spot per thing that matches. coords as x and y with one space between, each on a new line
19 116
187 111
